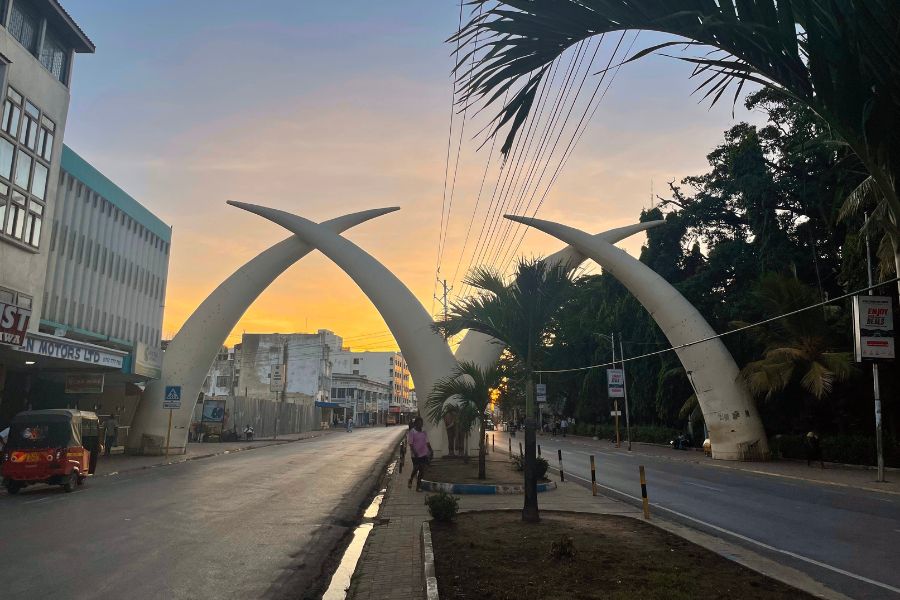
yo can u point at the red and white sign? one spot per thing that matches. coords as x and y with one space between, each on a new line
13 324
873 334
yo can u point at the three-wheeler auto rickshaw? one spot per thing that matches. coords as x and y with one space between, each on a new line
56 447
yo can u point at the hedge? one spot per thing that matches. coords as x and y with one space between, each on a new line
847 449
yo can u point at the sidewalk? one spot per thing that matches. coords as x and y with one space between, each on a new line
391 564
852 476
120 463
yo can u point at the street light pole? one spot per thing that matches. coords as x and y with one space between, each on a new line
625 391
879 449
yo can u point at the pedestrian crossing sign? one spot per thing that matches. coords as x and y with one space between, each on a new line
172 398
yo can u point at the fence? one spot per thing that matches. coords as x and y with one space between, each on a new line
265 415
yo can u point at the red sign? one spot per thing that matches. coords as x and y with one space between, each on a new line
13 324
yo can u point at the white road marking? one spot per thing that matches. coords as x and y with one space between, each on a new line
739 536
38 500
700 485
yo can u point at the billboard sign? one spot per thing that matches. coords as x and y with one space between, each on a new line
541 392
13 324
147 361
615 383
873 328
213 411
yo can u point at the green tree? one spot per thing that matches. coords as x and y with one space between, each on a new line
468 393
519 314
841 59
798 348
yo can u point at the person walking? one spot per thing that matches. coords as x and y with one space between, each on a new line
350 425
564 425
813 449
420 450
110 427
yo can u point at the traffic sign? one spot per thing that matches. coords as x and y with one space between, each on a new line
172 399
615 413
541 389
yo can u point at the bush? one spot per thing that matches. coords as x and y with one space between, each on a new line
848 449
639 433
563 549
442 506
541 465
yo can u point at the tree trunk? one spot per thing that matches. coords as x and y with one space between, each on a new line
530 511
481 451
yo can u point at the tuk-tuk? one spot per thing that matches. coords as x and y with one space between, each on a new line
56 447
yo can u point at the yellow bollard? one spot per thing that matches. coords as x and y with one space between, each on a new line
593 477
644 500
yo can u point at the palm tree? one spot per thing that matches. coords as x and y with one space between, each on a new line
471 388
797 347
520 315
841 59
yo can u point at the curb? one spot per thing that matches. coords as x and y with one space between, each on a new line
431 587
481 488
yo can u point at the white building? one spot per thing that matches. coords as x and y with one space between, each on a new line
366 400
386 367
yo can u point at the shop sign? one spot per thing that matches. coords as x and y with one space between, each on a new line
84 383
69 350
873 328
13 324
148 361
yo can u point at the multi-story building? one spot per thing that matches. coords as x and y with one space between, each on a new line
386 367
365 400
38 42
223 380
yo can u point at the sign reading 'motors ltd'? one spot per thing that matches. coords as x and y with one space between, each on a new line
13 324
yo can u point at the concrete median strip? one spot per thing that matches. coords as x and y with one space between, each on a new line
481 488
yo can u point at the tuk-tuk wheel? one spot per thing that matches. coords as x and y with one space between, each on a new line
71 482
13 487
81 479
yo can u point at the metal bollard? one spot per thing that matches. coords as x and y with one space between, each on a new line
593 477
562 475
510 447
644 493
539 449
493 447
521 452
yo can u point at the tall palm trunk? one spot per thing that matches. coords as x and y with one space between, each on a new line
530 511
482 450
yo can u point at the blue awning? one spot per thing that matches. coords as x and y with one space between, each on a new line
330 404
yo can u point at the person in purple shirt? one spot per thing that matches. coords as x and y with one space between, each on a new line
420 450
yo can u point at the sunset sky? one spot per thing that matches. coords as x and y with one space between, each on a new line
328 108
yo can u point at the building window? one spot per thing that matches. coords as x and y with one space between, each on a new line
15 222
24 25
54 55
222 381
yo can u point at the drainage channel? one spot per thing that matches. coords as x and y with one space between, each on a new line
340 581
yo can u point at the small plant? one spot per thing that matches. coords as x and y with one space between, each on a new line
540 466
442 506
563 548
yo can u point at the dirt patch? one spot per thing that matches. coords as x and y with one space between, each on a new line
455 470
494 555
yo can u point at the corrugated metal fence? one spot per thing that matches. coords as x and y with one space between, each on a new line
265 415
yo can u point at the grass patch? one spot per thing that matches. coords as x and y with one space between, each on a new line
455 470
493 555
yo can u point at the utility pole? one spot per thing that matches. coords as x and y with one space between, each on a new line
625 391
879 449
443 298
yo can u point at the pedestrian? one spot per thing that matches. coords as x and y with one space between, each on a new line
813 449
110 427
420 450
564 425
350 425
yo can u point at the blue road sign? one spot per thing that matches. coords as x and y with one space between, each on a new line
172 398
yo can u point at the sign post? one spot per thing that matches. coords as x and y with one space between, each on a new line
171 401
625 393
615 413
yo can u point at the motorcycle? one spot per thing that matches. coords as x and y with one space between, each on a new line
681 442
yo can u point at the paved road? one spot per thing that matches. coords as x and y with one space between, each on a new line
253 524
848 539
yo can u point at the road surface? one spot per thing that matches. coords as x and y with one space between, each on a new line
846 538
252 524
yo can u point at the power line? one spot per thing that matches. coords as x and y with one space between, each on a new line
730 332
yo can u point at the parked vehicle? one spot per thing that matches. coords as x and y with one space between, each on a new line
56 447
681 442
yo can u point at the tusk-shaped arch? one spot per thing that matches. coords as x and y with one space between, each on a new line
189 354
735 427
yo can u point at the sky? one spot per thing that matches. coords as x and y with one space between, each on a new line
328 108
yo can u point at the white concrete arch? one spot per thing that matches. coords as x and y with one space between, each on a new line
484 350
427 353
189 354
729 410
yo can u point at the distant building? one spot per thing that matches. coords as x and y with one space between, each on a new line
386 367
366 400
